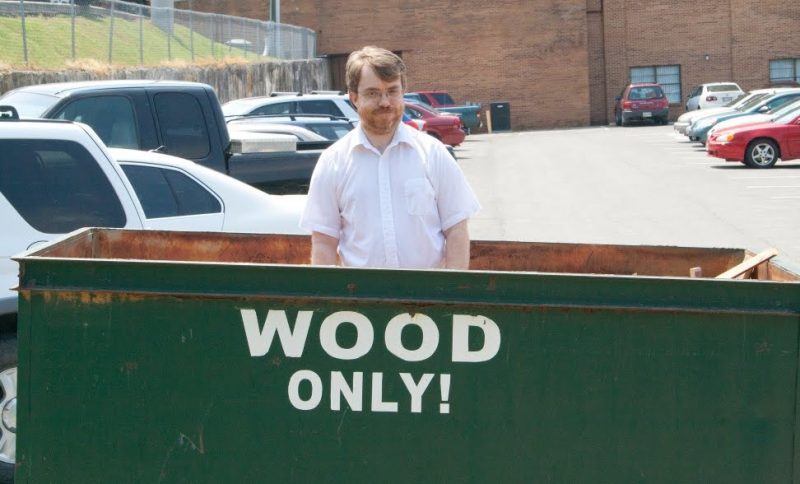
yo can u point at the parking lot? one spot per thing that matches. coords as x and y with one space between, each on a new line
634 185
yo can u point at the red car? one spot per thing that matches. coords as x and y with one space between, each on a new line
641 101
446 129
759 145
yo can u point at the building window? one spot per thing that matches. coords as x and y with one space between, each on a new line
784 70
668 76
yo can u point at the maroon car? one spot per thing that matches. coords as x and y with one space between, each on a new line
641 101
445 128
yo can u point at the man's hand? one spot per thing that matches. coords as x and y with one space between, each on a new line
323 249
456 249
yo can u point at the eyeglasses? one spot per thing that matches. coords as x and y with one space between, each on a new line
375 95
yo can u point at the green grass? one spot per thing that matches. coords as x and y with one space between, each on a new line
49 43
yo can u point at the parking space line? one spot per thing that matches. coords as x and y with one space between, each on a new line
773 186
764 177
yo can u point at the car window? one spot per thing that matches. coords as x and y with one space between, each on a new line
57 186
319 107
778 102
413 113
723 88
696 91
169 193
443 98
646 92
276 108
182 124
111 117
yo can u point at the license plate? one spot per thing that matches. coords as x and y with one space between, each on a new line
646 114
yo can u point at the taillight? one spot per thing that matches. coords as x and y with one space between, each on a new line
711 98
626 104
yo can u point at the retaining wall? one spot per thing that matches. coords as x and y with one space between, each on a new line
231 81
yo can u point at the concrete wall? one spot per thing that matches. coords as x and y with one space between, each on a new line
232 81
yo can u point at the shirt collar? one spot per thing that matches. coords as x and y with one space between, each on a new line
403 134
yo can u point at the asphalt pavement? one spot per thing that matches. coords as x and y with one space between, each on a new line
640 185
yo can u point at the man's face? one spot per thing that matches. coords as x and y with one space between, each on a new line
379 103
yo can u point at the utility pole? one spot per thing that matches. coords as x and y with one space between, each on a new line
275 11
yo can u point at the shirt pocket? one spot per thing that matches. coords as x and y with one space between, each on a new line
420 199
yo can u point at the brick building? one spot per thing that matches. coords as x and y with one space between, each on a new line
558 62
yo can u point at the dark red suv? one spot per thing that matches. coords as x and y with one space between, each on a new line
641 101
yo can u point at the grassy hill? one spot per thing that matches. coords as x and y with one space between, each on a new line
49 43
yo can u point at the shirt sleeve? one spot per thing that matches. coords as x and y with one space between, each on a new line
455 199
321 213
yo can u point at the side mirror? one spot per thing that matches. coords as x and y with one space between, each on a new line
763 109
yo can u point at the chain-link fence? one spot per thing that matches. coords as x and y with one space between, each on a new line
47 35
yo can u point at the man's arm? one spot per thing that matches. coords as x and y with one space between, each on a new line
323 249
456 249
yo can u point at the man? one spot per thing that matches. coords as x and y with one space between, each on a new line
387 195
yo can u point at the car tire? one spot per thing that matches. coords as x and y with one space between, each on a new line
761 153
8 408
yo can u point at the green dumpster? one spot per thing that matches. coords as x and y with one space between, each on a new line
152 356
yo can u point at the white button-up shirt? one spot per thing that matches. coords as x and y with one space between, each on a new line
390 209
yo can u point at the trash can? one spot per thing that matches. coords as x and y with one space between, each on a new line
501 115
151 356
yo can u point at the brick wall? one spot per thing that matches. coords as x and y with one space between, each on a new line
530 53
766 31
558 62
738 36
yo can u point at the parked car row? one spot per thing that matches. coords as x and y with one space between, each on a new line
257 113
759 129
647 101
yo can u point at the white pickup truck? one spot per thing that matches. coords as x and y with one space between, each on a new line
58 176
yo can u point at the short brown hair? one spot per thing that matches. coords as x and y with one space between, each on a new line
387 65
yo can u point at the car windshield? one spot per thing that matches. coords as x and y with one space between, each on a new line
29 104
753 102
645 92
236 108
331 131
738 99
787 114
789 107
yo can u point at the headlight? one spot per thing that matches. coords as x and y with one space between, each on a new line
729 137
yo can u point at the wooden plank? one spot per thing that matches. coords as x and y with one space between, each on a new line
749 264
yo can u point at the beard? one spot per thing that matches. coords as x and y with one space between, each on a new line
381 121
